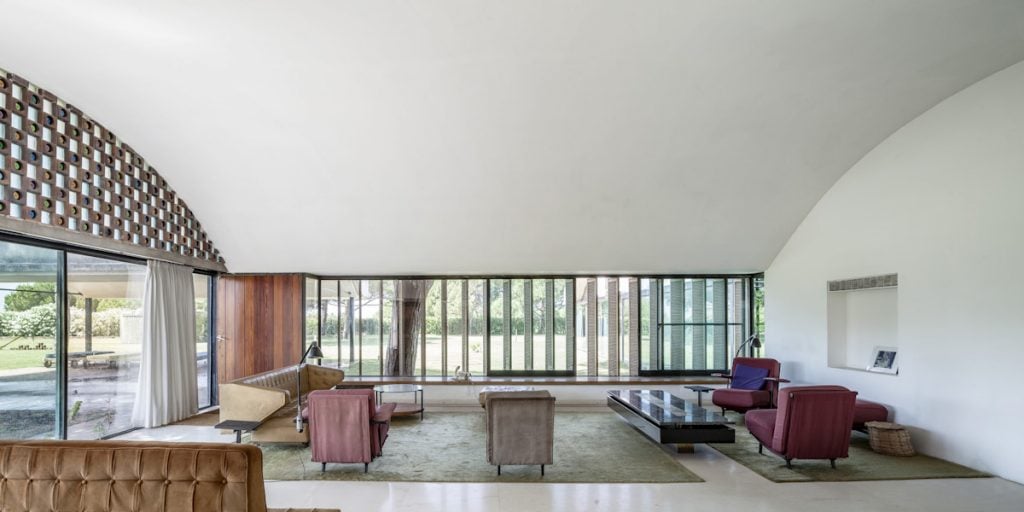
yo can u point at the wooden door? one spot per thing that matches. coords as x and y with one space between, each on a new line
260 324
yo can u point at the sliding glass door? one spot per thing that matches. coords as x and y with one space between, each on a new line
104 344
71 341
28 341
203 285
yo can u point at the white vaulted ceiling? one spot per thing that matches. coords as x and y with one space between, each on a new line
486 136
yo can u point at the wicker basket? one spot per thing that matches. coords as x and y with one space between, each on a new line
889 438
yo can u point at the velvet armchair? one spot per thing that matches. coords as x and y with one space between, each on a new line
752 385
346 426
520 428
811 422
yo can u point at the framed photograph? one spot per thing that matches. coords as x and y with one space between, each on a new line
884 360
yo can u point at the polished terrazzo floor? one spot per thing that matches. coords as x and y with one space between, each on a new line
728 486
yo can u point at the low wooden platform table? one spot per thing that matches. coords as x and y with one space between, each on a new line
668 419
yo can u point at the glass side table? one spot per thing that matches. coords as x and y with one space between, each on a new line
403 408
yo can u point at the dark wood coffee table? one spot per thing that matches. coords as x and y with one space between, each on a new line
666 418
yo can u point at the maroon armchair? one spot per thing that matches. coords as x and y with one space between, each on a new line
812 422
346 425
752 385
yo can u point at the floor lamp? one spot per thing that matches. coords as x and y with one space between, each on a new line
753 341
312 352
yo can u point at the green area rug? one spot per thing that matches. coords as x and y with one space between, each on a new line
863 464
451 447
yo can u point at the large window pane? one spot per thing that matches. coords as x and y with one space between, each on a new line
701 319
500 342
457 331
386 321
348 311
312 331
28 341
583 286
370 337
758 283
104 344
540 310
201 284
476 304
603 324
623 326
517 325
563 346
330 327
645 325
432 348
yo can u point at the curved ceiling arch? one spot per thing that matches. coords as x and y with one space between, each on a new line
379 137
66 177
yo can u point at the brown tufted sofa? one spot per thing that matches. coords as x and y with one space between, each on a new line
270 397
122 476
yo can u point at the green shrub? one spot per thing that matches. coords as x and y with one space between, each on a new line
36 321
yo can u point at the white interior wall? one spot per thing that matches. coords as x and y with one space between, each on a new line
939 203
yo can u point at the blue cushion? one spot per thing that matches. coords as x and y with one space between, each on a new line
748 377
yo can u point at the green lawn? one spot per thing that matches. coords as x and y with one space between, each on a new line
18 359
11 359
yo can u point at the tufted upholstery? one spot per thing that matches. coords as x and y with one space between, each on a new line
270 397
130 476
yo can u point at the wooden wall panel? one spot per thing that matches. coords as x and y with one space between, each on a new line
259 323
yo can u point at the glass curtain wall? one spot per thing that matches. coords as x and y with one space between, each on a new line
70 341
606 326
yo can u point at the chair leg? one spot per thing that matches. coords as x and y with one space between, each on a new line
833 461
760 449
789 463
542 470
499 469
323 467
366 467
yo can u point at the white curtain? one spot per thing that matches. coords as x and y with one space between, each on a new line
168 389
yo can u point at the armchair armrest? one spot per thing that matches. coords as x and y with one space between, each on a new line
777 379
246 402
383 414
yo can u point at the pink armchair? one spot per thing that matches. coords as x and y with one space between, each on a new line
346 425
752 385
812 422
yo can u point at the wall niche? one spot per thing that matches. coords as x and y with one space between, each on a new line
862 315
